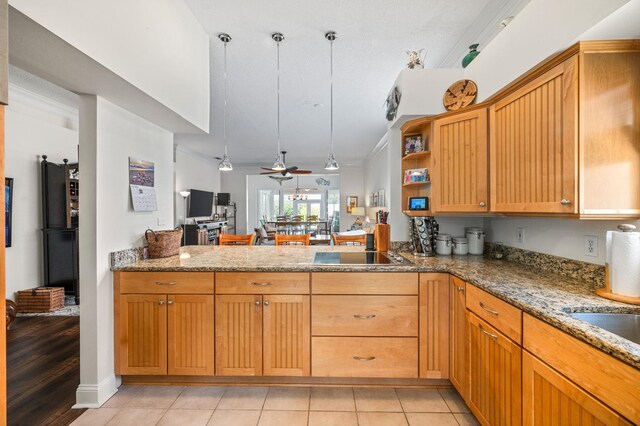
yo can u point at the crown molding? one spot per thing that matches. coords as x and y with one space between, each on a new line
35 100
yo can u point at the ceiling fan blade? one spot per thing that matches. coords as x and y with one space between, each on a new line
292 168
301 172
267 168
269 173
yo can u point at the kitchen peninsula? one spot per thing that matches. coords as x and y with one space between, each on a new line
498 331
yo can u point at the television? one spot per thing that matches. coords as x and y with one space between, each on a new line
8 207
200 203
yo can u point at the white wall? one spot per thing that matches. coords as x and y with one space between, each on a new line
376 174
110 135
192 171
33 126
156 45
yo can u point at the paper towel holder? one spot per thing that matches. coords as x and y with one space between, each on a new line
606 291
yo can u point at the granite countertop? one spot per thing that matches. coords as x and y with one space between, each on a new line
545 295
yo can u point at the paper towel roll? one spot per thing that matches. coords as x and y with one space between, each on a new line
623 256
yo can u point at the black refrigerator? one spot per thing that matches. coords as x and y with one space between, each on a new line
60 192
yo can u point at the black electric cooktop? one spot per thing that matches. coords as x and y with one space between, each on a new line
361 258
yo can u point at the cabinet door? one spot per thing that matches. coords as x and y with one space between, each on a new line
434 326
190 335
550 398
494 375
533 145
458 336
460 173
143 334
286 335
239 335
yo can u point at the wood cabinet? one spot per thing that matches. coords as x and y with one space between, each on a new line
505 317
494 375
460 163
263 335
550 398
534 145
4 52
419 128
162 334
434 326
458 336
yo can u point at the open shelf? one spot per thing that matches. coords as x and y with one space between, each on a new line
416 155
416 213
416 183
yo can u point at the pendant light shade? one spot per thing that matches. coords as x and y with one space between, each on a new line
225 165
331 163
278 165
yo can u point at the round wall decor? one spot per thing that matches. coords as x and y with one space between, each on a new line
459 95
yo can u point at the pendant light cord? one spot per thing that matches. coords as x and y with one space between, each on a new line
278 78
224 115
331 43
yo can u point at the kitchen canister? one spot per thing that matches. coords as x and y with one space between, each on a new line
460 245
443 244
476 240
623 261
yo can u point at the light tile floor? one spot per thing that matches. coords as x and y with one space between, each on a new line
279 406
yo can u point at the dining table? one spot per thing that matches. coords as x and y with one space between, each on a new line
289 224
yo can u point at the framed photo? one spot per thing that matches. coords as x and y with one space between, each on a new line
352 201
380 198
416 175
413 144
375 200
8 208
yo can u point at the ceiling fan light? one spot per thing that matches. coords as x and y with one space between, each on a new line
278 165
225 165
331 163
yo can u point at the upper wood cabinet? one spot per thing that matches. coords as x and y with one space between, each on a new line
534 145
460 170
4 52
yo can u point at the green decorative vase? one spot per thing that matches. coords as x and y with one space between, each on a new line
471 55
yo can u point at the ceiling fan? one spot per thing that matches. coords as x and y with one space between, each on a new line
288 170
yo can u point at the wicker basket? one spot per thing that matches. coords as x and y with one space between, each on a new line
163 243
41 299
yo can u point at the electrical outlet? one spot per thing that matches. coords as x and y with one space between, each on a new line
520 235
591 245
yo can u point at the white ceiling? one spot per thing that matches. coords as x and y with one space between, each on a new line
372 39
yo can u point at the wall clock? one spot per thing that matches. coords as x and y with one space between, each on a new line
459 95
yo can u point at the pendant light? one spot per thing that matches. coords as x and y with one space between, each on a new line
278 165
225 165
331 164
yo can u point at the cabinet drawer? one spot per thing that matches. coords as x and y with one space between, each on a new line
393 357
166 282
365 283
498 313
364 316
262 283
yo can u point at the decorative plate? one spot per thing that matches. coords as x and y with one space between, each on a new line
459 95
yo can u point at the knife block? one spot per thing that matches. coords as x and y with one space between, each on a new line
382 235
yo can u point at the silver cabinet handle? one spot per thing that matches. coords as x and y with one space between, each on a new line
364 316
166 283
482 204
266 303
493 336
170 302
565 202
364 358
160 302
460 289
491 311
261 284
257 303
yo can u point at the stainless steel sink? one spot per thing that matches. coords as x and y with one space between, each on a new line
624 325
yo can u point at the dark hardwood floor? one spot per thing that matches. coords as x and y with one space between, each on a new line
43 370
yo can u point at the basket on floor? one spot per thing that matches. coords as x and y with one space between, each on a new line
41 299
163 243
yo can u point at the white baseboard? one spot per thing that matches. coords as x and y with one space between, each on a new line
94 395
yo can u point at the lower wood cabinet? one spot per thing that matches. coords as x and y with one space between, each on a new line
434 326
263 335
494 375
166 334
458 336
550 398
